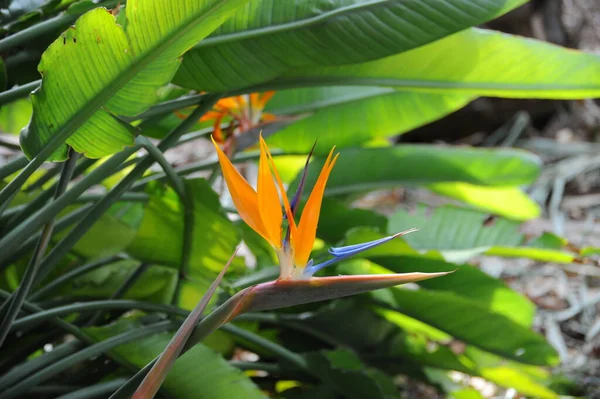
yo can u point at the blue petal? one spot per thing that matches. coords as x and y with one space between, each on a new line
341 253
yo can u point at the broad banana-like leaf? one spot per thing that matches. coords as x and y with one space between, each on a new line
98 69
371 168
349 116
474 61
267 37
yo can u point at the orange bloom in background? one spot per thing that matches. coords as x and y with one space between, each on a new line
245 112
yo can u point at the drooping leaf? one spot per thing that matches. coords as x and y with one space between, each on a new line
156 284
398 343
509 202
466 281
248 49
98 69
354 122
160 236
369 168
111 234
201 373
476 325
474 61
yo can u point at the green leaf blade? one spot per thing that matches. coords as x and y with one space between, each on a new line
317 33
101 64
475 61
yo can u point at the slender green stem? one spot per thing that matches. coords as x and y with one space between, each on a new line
63 325
50 173
14 165
21 232
21 371
22 291
270 346
115 304
100 390
169 106
68 328
18 92
84 165
9 144
203 165
33 206
159 157
53 390
29 244
63 247
188 209
74 273
122 290
188 240
87 198
91 351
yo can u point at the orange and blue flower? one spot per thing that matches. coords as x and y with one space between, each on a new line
266 208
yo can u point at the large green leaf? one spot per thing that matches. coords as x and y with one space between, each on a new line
472 323
267 37
156 284
98 69
473 61
452 229
199 374
361 169
111 233
355 121
160 236
466 281
400 344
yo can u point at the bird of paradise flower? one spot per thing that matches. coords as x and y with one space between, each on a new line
262 210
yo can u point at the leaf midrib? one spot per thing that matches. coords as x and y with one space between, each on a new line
282 83
306 22
284 27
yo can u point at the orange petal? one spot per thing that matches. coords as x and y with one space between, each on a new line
243 195
269 205
266 96
286 203
307 227
217 132
266 117
211 115
226 104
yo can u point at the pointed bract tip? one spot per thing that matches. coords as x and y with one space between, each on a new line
283 293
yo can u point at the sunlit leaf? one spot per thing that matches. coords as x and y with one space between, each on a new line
248 49
81 92
474 61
